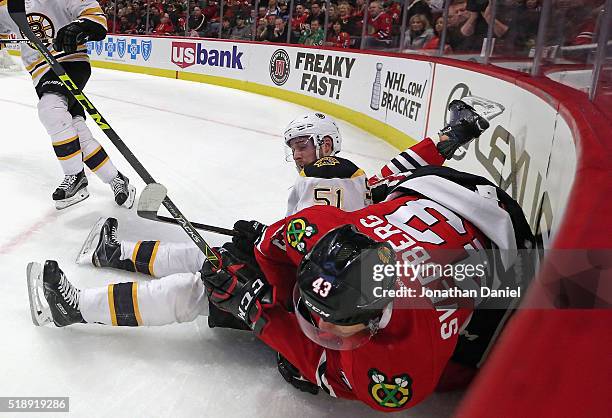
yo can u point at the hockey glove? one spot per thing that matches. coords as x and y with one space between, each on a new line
76 33
465 124
237 287
248 234
293 376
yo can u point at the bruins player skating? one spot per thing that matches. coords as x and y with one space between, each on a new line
65 26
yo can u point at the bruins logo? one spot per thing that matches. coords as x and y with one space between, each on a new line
326 161
42 27
390 394
297 230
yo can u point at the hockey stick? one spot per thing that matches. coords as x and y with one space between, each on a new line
151 199
16 9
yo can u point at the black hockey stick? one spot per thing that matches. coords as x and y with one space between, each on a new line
16 9
151 199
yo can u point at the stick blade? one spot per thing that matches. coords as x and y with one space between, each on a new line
41 314
150 200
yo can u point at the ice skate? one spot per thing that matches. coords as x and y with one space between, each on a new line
61 296
102 249
125 193
465 124
72 190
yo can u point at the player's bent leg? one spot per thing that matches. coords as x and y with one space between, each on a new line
97 161
176 298
57 120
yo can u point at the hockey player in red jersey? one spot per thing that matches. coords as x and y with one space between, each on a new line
307 286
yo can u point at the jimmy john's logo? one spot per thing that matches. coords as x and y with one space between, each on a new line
393 393
297 231
280 66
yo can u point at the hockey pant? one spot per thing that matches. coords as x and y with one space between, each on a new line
73 142
175 298
161 259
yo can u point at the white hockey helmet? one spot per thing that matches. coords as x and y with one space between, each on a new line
316 126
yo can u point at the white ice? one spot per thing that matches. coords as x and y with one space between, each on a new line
220 154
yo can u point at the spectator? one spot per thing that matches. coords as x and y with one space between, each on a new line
337 38
346 20
165 27
418 34
394 10
261 31
272 9
313 34
299 18
379 27
279 33
130 15
419 7
332 13
154 18
124 25
241 31
315 13
434 42
226 28
466 28
197 23
475 27
284 10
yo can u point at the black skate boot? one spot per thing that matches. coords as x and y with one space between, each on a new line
72 190
106 251
124 192
62 296
465 124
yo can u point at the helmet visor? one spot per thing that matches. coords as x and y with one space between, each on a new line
330 336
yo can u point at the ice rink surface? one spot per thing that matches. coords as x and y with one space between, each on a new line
219 152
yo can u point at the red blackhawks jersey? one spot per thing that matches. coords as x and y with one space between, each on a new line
401 365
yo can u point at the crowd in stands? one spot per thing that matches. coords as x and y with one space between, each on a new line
515 23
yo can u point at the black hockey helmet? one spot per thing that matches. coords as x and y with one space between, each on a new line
336 278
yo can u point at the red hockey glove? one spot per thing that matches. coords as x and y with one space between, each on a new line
237 287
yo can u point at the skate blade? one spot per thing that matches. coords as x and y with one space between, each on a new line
79 196
84 256
129 202
41 314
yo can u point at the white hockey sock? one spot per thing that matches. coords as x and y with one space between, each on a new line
94 155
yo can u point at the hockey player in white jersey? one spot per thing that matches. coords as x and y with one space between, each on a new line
313 142
65 26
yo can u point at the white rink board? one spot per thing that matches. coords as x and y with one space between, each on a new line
342 78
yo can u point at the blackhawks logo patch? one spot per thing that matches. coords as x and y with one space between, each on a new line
390 394
298 230
326 161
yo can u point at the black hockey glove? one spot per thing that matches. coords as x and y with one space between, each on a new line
248 234
293 376
75 33
465 124
237 287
